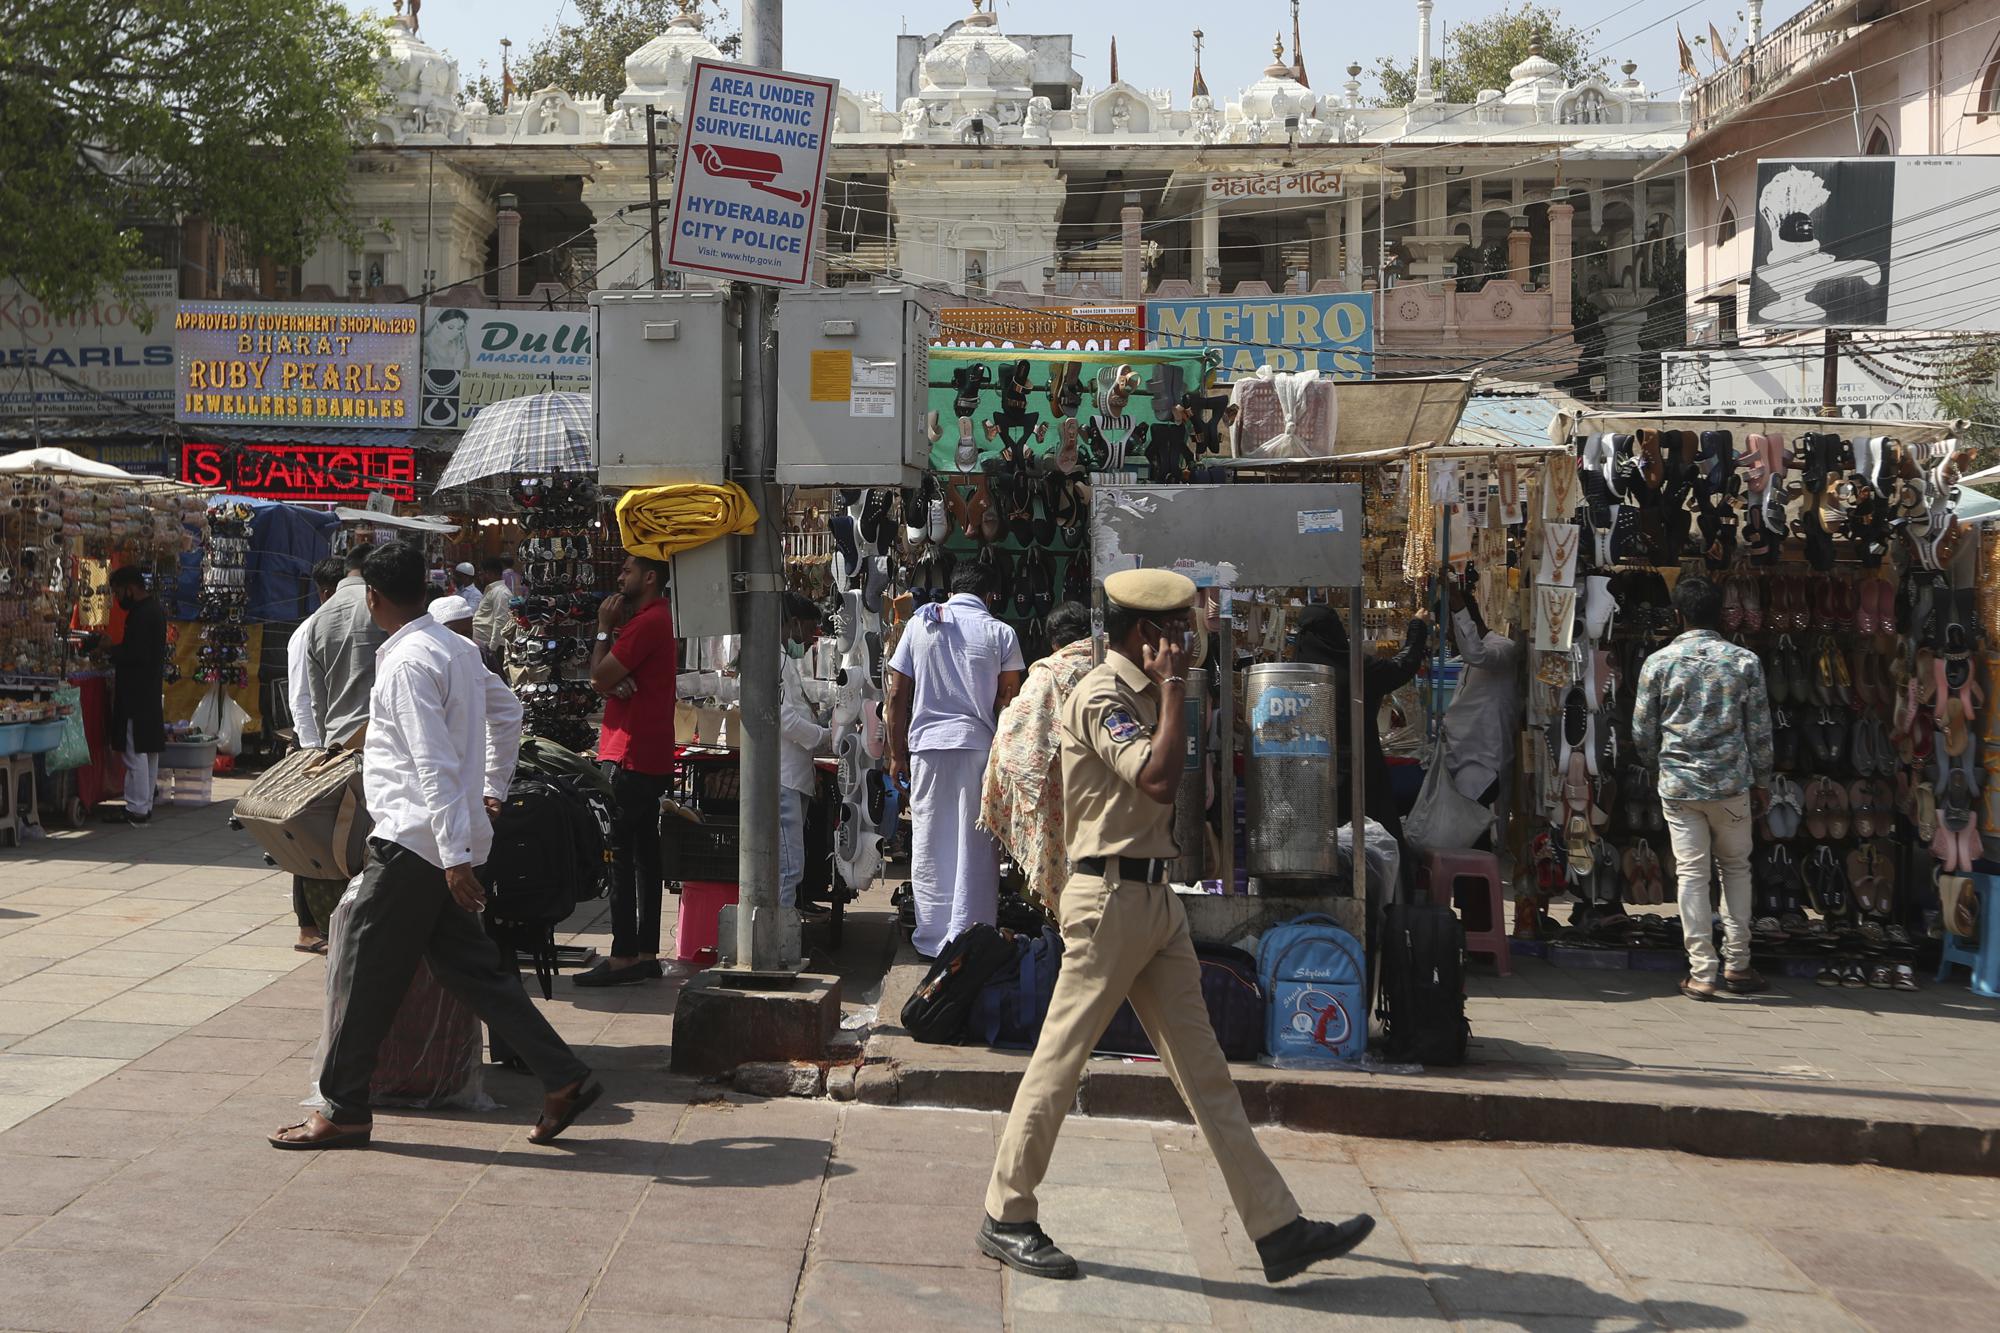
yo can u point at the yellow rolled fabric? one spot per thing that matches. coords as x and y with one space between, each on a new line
658 521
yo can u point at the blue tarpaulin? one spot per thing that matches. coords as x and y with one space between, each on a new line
286 541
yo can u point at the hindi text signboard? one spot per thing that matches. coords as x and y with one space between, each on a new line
1277 185
752 167
115 355
253 363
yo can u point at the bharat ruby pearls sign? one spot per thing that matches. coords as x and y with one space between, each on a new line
254 363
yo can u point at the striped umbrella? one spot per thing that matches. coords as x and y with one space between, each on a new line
542 432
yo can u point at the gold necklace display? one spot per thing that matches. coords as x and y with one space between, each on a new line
1561 551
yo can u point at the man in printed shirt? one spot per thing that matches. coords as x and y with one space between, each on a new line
443 733
1703 719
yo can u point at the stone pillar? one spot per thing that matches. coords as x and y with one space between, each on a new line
1208 248
1424 94
1561 217
1352 240
508 280
1517 249
1130 218
624 248
1326 247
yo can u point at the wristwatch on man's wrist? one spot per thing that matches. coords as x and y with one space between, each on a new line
604 636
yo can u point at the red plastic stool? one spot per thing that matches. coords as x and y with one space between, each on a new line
702 901
1463 874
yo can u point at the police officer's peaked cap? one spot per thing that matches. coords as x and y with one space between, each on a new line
1150 590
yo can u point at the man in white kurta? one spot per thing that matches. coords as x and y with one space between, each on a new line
954 669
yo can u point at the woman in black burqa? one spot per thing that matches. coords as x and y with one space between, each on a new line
1322 641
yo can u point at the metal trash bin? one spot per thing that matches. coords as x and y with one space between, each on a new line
1288 769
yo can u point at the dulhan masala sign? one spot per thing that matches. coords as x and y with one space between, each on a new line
254 363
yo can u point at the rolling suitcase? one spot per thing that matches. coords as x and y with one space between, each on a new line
306 812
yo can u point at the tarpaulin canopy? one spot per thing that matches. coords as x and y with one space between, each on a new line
286 541
78 469
1378 417
1624 423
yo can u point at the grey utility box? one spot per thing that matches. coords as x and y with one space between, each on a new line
667 381
853 386
704 592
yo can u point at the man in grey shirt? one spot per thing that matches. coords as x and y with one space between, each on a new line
1480 726
340 656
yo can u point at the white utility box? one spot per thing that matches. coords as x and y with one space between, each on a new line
854 386
666 386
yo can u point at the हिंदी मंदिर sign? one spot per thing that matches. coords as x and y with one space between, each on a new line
262 363
753 163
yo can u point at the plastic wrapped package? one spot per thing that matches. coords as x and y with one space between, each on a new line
1281 415
432 1055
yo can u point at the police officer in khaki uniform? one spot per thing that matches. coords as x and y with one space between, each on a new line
1123 739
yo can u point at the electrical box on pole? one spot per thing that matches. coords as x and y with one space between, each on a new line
665 404
854 386
669 371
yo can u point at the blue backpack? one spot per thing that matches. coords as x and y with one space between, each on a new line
1015 999
1314 980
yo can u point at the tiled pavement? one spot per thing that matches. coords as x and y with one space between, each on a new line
154 1023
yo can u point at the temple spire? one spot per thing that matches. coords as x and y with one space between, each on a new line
1298 60
1114 58
1200 84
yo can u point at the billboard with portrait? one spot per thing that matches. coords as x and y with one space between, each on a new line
1875 242
475 358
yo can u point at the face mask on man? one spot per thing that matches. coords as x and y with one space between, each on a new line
794 649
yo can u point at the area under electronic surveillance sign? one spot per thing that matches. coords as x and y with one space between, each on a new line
751 171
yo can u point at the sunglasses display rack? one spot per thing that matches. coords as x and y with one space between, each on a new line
563 558
224 655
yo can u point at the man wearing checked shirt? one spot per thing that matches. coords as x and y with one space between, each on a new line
1702 717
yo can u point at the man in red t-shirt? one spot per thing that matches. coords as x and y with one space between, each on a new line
634 666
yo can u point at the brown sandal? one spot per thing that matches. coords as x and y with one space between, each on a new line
315 1140
586 1095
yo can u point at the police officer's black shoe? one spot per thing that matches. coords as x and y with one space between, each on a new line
1023 1246
1301 1243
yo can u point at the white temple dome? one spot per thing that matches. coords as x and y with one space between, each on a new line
664 62
419 84
1534 78
1279 93
977 57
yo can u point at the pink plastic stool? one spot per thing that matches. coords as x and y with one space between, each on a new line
1461 875
702 901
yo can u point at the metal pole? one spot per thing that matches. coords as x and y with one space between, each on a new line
757 933
653 192
1225 743
1357 736
1829 376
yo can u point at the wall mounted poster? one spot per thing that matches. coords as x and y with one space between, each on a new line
476 358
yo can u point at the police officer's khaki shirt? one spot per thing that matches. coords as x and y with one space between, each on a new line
1107 737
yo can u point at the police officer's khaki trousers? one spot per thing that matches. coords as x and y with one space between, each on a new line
1121 939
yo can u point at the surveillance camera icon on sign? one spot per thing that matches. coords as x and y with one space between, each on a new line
751 165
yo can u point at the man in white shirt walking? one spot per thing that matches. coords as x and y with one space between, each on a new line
954 669
305 726
442 733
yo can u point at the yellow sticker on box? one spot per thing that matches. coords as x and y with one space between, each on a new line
832 377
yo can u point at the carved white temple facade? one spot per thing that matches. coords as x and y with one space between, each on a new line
998 170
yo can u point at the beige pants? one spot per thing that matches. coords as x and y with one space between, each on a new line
1709 836
1119 940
